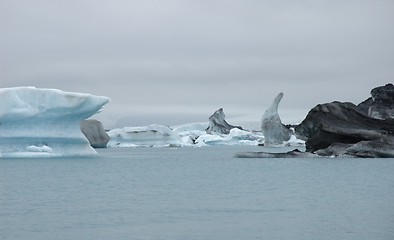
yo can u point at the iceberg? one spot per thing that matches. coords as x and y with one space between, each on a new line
188 135
235 137
273 129
41 122
218 124
147 136
214 132
191 132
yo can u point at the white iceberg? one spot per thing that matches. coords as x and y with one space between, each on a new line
45 122
146 136
191 132
186 135
235 137
294 141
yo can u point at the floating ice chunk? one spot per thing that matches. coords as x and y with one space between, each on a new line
147 136
190 132
294 141
33 148
45 122
273 129
235 137
35 151
209 139
182 136
218 124
46 149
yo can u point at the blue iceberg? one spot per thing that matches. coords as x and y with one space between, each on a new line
38 122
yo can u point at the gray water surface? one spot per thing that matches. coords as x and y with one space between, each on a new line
195 193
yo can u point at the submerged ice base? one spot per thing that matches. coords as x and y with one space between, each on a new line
45 122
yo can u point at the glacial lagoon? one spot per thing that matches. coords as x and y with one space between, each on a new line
195 193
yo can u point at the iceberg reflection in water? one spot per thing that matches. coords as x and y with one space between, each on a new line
195 193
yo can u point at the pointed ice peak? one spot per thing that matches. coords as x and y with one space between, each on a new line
271 125
273 109
218 124
218 114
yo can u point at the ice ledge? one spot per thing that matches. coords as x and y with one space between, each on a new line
41 122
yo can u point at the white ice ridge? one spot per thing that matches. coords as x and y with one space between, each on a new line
187 135
147 136
37 122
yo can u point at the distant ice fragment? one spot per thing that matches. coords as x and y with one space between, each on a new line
147 136
273 129
43 122
187 135
294 141
218 124
235 137
33 148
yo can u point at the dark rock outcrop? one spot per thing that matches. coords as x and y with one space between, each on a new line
218 124
95 133
380 148
339 122
364 106
381 103
335 149
342 129
271 125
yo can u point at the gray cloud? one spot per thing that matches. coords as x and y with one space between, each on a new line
176 55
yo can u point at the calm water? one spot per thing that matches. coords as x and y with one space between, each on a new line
195 193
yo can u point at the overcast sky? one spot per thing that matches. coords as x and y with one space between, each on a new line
174 61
